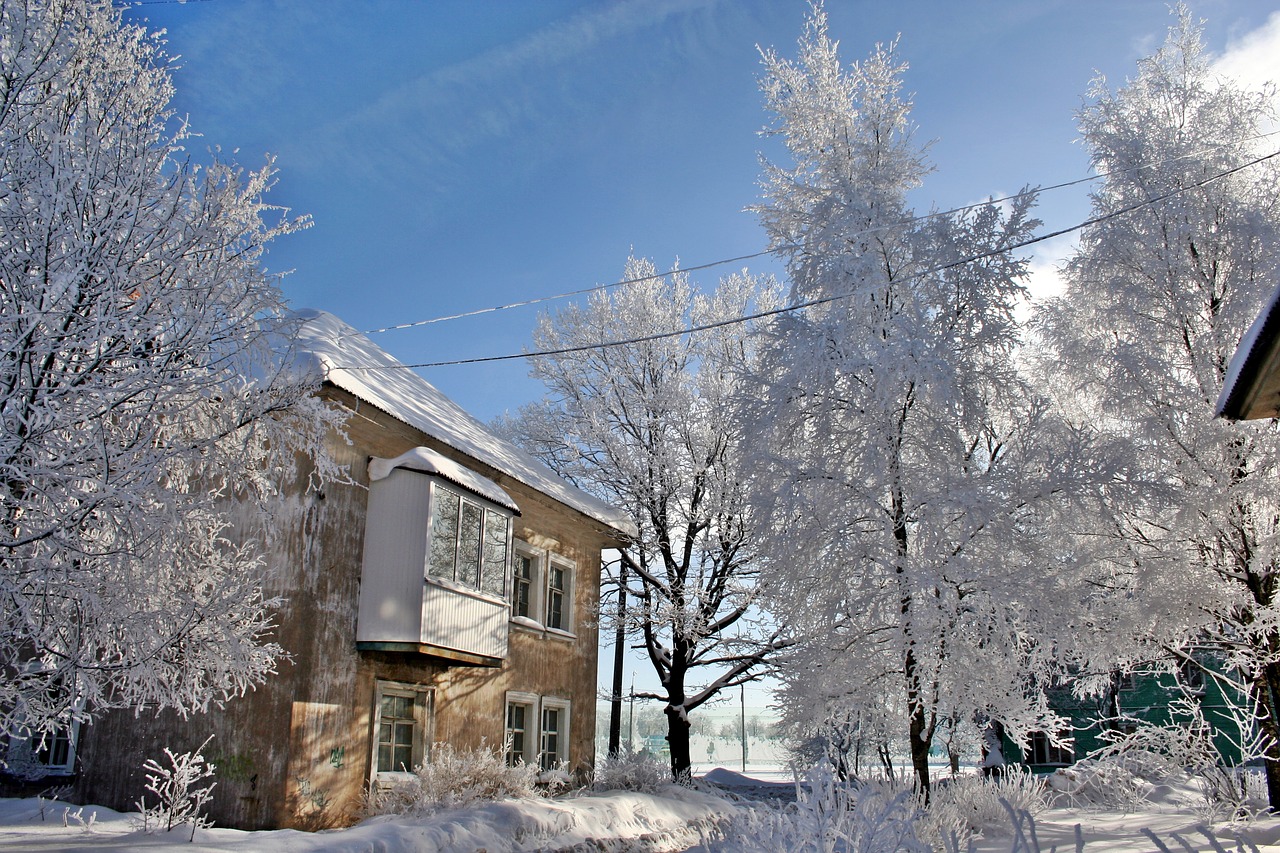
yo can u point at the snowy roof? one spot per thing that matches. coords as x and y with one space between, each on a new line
1252 386
382 381
427 460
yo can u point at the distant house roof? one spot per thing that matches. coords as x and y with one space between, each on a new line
385 383
1252 387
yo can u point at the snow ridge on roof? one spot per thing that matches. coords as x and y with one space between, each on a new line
427 460
1249 361
334 347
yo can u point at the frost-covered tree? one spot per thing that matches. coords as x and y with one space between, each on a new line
141 389
903 471
644 426
1156 301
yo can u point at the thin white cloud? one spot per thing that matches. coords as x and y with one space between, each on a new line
433 119
1045 270
1253 59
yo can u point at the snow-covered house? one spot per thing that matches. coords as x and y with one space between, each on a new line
445 596
1148 695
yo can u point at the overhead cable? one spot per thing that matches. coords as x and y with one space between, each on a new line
835 297
788 247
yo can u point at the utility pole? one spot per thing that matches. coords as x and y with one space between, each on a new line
631 724
742 703
619 638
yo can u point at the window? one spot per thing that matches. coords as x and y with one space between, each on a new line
522 572
49 754
1191 676
557 597
537 730
559 600
555 734
1042 751
468 542
401 716
521 727
541 589
56 750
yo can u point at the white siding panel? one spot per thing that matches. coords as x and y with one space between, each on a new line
467 623
395 547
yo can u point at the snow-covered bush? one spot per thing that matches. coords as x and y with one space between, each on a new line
455 778
1134 763
631 771
1099 782
973 805
179 797
830 815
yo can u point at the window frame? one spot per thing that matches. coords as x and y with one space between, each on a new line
23 753
1042 752
532 704
535 558
564 709
542 564
424 719
555 562
487 509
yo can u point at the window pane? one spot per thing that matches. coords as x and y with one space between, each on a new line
550 738
555 597
517 739
469 545
397 727
444 533
397 707
52 749
522 585
493 576
403 747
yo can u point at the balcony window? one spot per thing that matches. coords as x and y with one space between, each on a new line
437 545
468 542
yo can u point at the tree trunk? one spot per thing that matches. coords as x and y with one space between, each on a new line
920 747
993 761
1267 693
678 739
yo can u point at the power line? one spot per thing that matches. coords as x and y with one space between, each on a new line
567 294
127 4
779 249
835 297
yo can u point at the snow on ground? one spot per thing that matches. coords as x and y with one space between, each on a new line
1171 811
671 820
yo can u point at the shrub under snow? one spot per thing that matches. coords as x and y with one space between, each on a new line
830 815
868 817
631 771
973 805
451 779
177 797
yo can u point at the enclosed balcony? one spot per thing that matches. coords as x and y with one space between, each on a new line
436 551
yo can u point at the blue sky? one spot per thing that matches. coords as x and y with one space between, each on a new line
459 155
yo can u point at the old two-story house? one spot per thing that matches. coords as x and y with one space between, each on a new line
447 595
